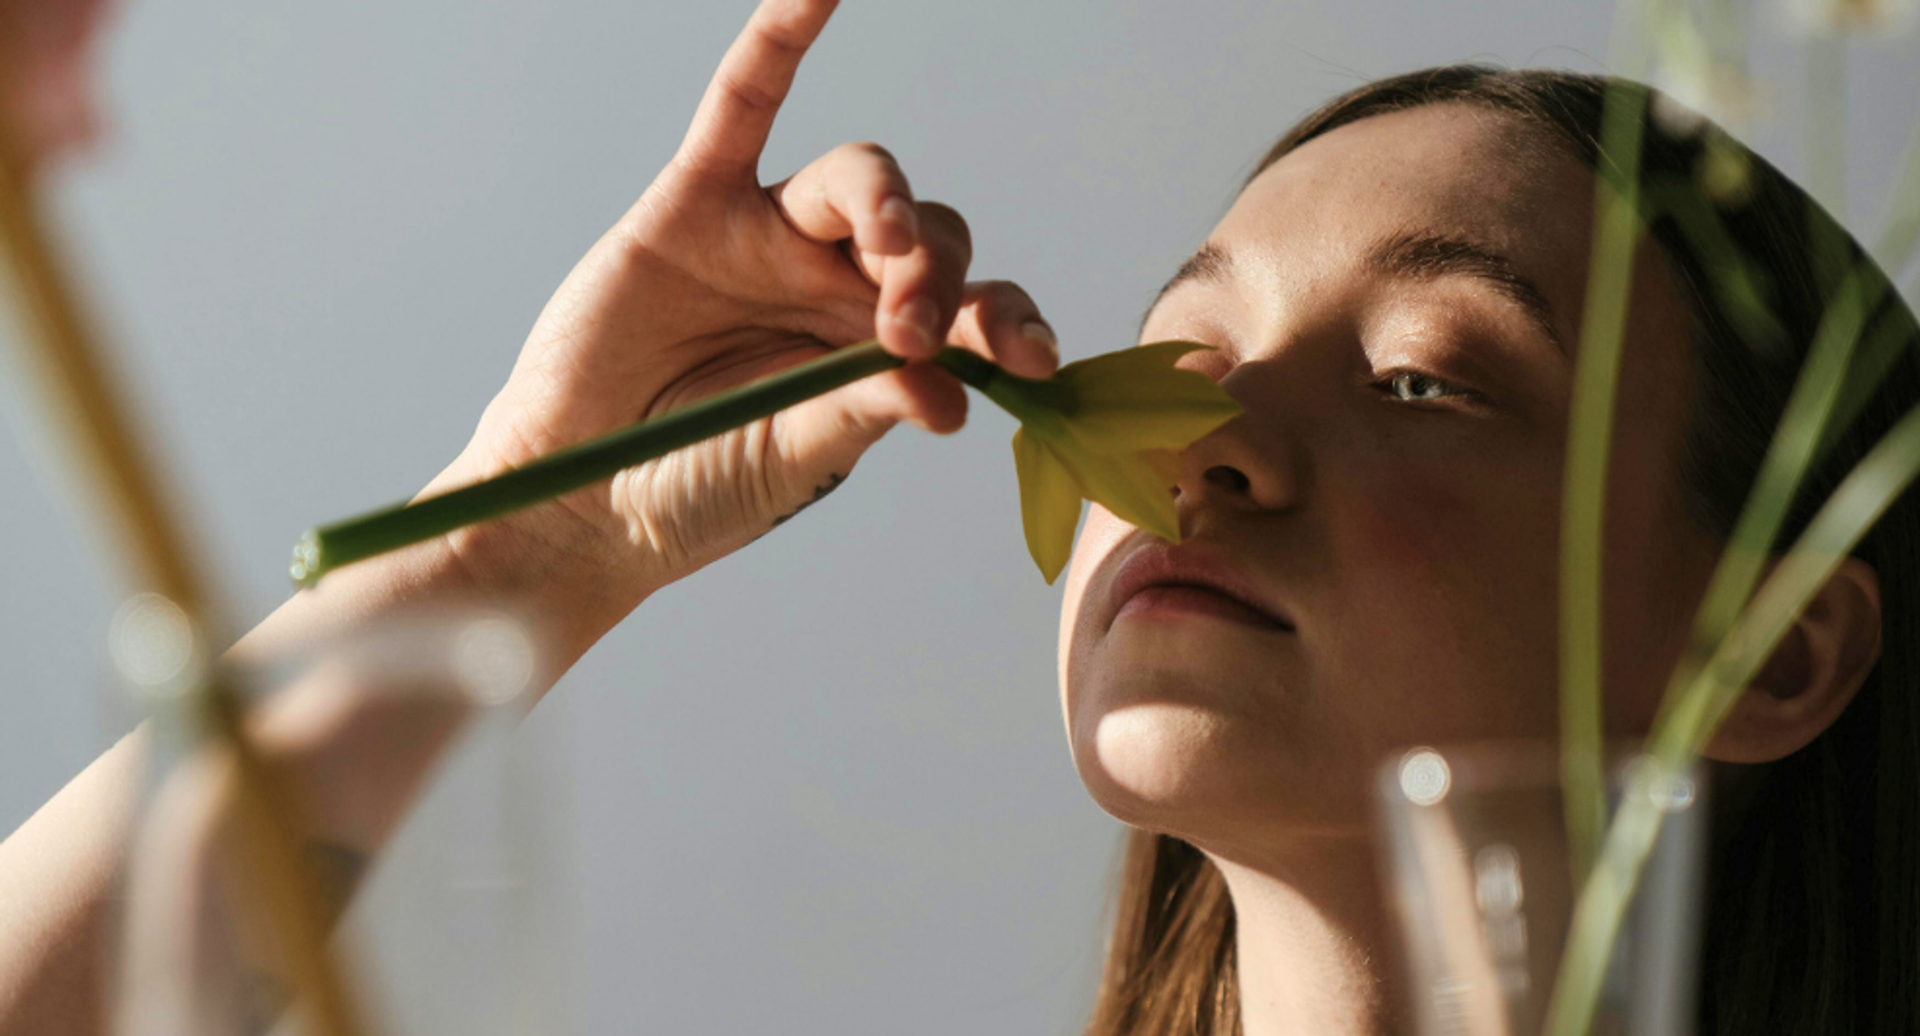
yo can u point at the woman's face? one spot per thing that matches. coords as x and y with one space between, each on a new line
1394 305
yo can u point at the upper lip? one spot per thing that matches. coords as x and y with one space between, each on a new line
1159 563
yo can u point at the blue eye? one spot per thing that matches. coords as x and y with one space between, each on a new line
1414 387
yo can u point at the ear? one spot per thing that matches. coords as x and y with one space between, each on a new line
1812 675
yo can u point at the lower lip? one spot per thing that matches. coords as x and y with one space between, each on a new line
1192 600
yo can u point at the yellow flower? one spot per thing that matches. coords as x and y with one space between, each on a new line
1107 429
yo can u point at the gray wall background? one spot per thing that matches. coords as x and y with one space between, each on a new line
822 786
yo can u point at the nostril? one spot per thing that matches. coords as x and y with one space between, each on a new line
1229 478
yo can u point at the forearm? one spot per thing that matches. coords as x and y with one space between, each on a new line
549 572
354 752
56 873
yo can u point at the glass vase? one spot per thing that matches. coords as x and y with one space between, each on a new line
425 819
1479 873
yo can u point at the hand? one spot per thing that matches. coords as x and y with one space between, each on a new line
712 280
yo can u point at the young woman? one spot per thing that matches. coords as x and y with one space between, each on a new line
1397 294
1369 554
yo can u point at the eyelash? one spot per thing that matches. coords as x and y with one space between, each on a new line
1390 385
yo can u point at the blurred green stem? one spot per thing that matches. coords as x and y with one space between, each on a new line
1879 479
271 883
1589 443
1794 448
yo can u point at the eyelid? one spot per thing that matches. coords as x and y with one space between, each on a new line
1462 396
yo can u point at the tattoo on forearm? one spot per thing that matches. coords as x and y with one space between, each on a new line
337 869
819 494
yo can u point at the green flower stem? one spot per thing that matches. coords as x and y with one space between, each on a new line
1739 286
1866 493
329 547
1848 515
1728 644
970 367
1882 347
1793 450
1589 438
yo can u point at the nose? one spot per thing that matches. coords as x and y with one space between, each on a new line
1242 465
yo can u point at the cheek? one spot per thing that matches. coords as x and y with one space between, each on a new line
1403 532
1415 538
1474 523
1101 533
1443 620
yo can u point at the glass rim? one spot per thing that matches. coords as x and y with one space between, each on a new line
1425 775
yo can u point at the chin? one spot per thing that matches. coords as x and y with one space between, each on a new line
1150 764
1188 748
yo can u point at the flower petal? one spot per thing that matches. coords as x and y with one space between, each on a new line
1136 487
1109 429
1136 399
1049 503
1165 463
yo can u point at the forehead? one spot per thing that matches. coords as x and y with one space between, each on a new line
1449 169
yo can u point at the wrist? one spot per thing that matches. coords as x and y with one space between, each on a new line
549 565
549 571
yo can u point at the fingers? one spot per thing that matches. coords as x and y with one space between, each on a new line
920 291
916 252
857 193
857 196
828 434
995 318
731 125
919 394
999 320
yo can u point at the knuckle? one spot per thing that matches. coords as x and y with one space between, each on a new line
867 150
1005 297
750 93
947 219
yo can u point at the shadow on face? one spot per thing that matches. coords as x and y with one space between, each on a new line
1370 553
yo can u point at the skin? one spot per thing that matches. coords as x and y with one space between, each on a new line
1411 543
1393 489
1414 544
710 280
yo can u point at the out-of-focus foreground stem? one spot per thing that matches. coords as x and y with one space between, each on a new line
121 478
1617 230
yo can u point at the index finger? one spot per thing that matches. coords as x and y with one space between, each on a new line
731 125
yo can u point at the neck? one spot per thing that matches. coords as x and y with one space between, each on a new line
1308 934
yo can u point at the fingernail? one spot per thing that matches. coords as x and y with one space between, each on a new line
1038 331
918 317
900 212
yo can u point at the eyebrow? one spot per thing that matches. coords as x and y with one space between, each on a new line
1210 263
1409 254
1427 256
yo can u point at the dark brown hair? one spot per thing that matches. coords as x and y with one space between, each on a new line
1813 915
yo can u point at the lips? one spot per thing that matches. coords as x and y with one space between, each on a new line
1191 579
